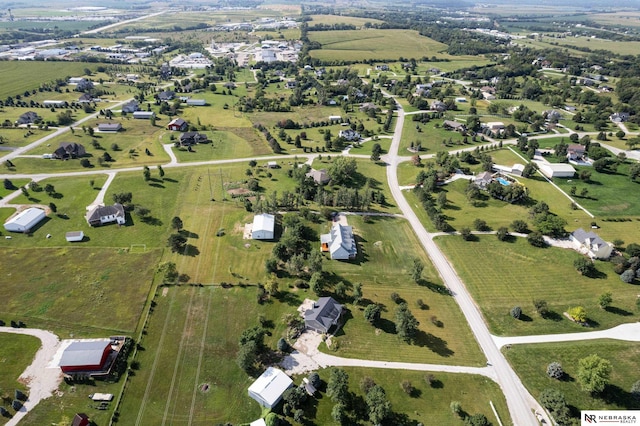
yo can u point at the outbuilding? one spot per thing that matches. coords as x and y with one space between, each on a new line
74 236
196 102
85 355
553 170
144 115
263 227
25 220
267 390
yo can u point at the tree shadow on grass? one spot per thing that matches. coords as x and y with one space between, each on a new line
437 288
156 185
188 234
386 325
618 311
289 298
524 317
150 220
434 343
613 394
553 316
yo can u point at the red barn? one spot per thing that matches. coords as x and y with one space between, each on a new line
81 419
85 355
178 125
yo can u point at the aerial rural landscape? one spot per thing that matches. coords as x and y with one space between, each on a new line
319 213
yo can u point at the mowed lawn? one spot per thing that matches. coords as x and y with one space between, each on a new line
429 404
16 354
530 362
373 44
18 76
386 249
501 275
192 340
224 144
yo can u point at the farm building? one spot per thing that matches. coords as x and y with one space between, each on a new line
50 103
177 124
594 246
85 355
324 315
263 226
196 102
74 236
100 214
109 127
25 220
553 170
267 390
340 242
80 419
144 115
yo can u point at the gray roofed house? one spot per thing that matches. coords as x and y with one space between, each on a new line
340 242
29 117
325 314
619 117
177 124
85 98
454 125
595 246
483 179
321 177
192 138
438 106
99 215
69 150
167 95
131 106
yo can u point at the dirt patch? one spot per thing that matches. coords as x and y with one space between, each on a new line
378 243
238 191
204 388
165 291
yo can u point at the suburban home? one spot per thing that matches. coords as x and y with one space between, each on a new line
619 117
99 214
383 67
482 180
69 150
192 138
89 355
454 125
25 220
80 419
131 106
196 102
144 115
594 246
291 84
553 170
324 315
167 95
29 117
109 127
575 152
263 227
438 106
267 390
56 104
85 98
321 177
339 242
349 135
74 236
178 124
552 115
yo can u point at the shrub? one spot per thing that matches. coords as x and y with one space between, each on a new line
396 297
314 380
628 276
407 387
541 307
283 346
519 226
516 312
466 233
635 390
578 313
536 239
554 370
456 408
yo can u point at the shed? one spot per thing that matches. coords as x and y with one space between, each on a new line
324 315
74 236
267 390
196 102
85 355
25 220
263 226
50 103
553 170
144 115
109 127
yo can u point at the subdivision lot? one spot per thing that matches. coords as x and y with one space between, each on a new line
501 275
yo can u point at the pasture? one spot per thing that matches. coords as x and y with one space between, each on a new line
336 19
501 275
16 354
358 45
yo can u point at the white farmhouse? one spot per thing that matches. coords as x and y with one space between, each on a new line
99 214
269 387
595 246
340 242
263 226
25 220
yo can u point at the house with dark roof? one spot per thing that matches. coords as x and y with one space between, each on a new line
29 117
69 150
80 419
482 180
324 315
99 214
131 106
438 106
339 242
85 98
178 124
349 135
619 117
575 152
167 95
109 127
321 177
192 138
594 246
454 125
85 356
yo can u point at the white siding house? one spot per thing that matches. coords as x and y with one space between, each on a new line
99 215
263 226
340 242
25 220
269 387
594 246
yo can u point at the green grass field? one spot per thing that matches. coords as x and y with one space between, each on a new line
234 143
373 44
16 354
336 19
530 362
501 275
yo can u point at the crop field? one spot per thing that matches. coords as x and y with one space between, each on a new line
373 44
429 404
50 25
336 19
195 331
618 47
18 76
530 362
501 275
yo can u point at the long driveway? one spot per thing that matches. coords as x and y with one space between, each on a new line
520 402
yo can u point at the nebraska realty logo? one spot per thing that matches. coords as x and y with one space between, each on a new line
615 417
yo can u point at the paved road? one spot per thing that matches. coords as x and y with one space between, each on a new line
41 380
521 404
106 27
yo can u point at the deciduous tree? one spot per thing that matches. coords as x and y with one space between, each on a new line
593 373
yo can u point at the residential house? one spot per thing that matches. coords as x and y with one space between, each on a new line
144 115
594 246
192 138
109 127
482 180
339 242
100 214
454 125
383 67
367 106
263 227
29 117
324 315
85 98
25 220
131 106
291 84
167 95
619 117
69 150
84 85
178 124
349 135
438 106
575 152
267 390
321 177
552 115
